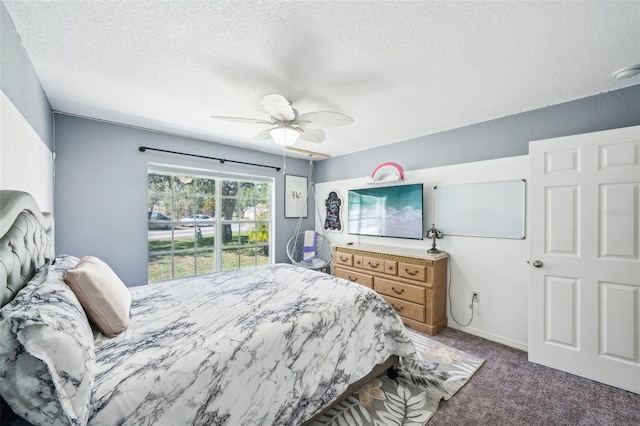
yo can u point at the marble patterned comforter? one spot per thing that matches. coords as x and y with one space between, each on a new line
259 346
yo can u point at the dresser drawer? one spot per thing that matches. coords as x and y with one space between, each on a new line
357 261
373 264
356 277
391 267
411 293
414 272
406 309
343 259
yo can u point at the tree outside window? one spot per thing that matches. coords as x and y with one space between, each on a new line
184 226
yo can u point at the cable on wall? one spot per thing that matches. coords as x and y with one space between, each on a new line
221 160
451 302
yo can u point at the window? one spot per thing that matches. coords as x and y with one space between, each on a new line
201 223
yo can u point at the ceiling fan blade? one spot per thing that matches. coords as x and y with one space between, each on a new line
263 135
279 107
319 119
241 120
311 135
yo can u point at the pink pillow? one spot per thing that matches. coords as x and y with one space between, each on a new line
101 293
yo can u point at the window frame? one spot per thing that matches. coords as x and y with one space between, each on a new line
218 222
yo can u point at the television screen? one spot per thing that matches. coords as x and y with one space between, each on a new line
387 211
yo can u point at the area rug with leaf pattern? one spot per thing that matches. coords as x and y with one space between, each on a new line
412 398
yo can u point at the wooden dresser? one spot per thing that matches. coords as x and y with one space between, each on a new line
413 282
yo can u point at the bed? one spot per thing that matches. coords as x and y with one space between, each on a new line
277 344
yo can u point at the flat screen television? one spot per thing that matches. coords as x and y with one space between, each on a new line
386 211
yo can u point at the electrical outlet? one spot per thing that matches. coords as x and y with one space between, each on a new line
476 297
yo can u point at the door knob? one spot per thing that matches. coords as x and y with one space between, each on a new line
537 263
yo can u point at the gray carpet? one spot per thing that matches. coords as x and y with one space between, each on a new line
509 390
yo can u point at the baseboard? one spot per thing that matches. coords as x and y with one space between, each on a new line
490 336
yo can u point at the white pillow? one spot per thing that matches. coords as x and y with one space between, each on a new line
101 293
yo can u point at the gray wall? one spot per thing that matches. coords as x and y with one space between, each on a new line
500 138
20 83
101 189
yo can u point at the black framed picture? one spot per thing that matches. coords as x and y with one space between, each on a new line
295 196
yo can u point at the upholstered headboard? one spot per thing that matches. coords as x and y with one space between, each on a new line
26 241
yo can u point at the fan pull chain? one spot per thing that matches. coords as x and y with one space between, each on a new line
284 160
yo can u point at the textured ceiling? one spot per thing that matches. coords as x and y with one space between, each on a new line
400 69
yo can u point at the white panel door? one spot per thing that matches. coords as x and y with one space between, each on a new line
584 286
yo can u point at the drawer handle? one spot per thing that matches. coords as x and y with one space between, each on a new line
353 279
397 291
372 265
411 272
397 309
344 259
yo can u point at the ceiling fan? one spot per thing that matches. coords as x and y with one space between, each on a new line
289 126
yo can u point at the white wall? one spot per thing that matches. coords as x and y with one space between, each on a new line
496 268
26 124
26 164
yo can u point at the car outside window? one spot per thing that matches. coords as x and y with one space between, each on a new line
206 223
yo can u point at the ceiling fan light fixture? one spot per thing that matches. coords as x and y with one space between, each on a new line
284 136
289 126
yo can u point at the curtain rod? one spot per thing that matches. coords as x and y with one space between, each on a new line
221 160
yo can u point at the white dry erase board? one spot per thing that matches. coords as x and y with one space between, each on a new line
483 209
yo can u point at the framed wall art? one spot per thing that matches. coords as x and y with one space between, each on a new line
295 196
333 216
